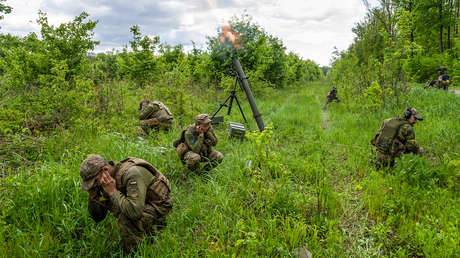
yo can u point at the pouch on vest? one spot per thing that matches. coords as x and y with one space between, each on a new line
159 190
181 149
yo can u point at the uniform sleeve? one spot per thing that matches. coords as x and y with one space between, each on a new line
211 137
193 144
407 136
132 204
148 111
97 208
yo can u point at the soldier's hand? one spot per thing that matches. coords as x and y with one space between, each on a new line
108 183
199 130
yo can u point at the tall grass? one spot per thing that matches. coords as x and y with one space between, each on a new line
314 186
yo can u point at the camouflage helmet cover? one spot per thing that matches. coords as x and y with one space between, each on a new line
412 112
203 119
89 169
441 68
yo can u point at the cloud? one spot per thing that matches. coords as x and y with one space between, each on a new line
308 28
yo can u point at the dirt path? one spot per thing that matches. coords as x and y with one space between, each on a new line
456 91
324 119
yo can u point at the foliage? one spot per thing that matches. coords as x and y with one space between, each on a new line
52 80
44 81
4 9
311 182
308 186
262 55
399 40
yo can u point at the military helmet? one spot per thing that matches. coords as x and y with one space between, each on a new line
143 103
412 111
203 119
441 68
89 169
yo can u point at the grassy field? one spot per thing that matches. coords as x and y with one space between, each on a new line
310 183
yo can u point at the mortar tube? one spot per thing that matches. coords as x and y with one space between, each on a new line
245 85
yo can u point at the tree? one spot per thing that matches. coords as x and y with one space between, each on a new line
4 9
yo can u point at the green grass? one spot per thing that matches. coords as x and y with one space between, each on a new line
312 184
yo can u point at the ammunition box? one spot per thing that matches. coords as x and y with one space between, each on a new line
217 120
236 129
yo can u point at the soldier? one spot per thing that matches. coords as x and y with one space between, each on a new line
443 80
133 190
396 136
196 142
332 95
154 115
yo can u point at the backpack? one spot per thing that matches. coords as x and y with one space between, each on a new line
163 114
385 140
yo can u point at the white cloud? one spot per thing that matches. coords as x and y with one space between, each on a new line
308 28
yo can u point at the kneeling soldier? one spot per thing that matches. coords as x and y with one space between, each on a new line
196 142
154 115
396 136
133 190
332 95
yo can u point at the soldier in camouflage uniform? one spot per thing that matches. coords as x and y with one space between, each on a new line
332 95
133 190
443 80
154 115
396 136
196 142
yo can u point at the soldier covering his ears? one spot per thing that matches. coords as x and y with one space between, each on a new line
133 190
196 144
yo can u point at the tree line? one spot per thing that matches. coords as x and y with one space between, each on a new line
54 79
398 41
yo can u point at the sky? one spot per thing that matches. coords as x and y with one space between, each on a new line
309 28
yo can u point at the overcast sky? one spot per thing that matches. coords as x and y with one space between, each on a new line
308 28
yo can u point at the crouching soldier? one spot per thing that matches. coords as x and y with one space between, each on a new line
133 190
154 115
443 80
332 95
396 136
196 142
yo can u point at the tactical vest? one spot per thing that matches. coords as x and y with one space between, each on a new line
386 141
157 191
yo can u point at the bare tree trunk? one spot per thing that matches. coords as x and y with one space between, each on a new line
411 33
451 18
448 38
440 27
457 16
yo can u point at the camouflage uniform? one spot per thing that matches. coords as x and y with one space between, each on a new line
332 95
443 81
395 136
154 115
194 148
140 204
